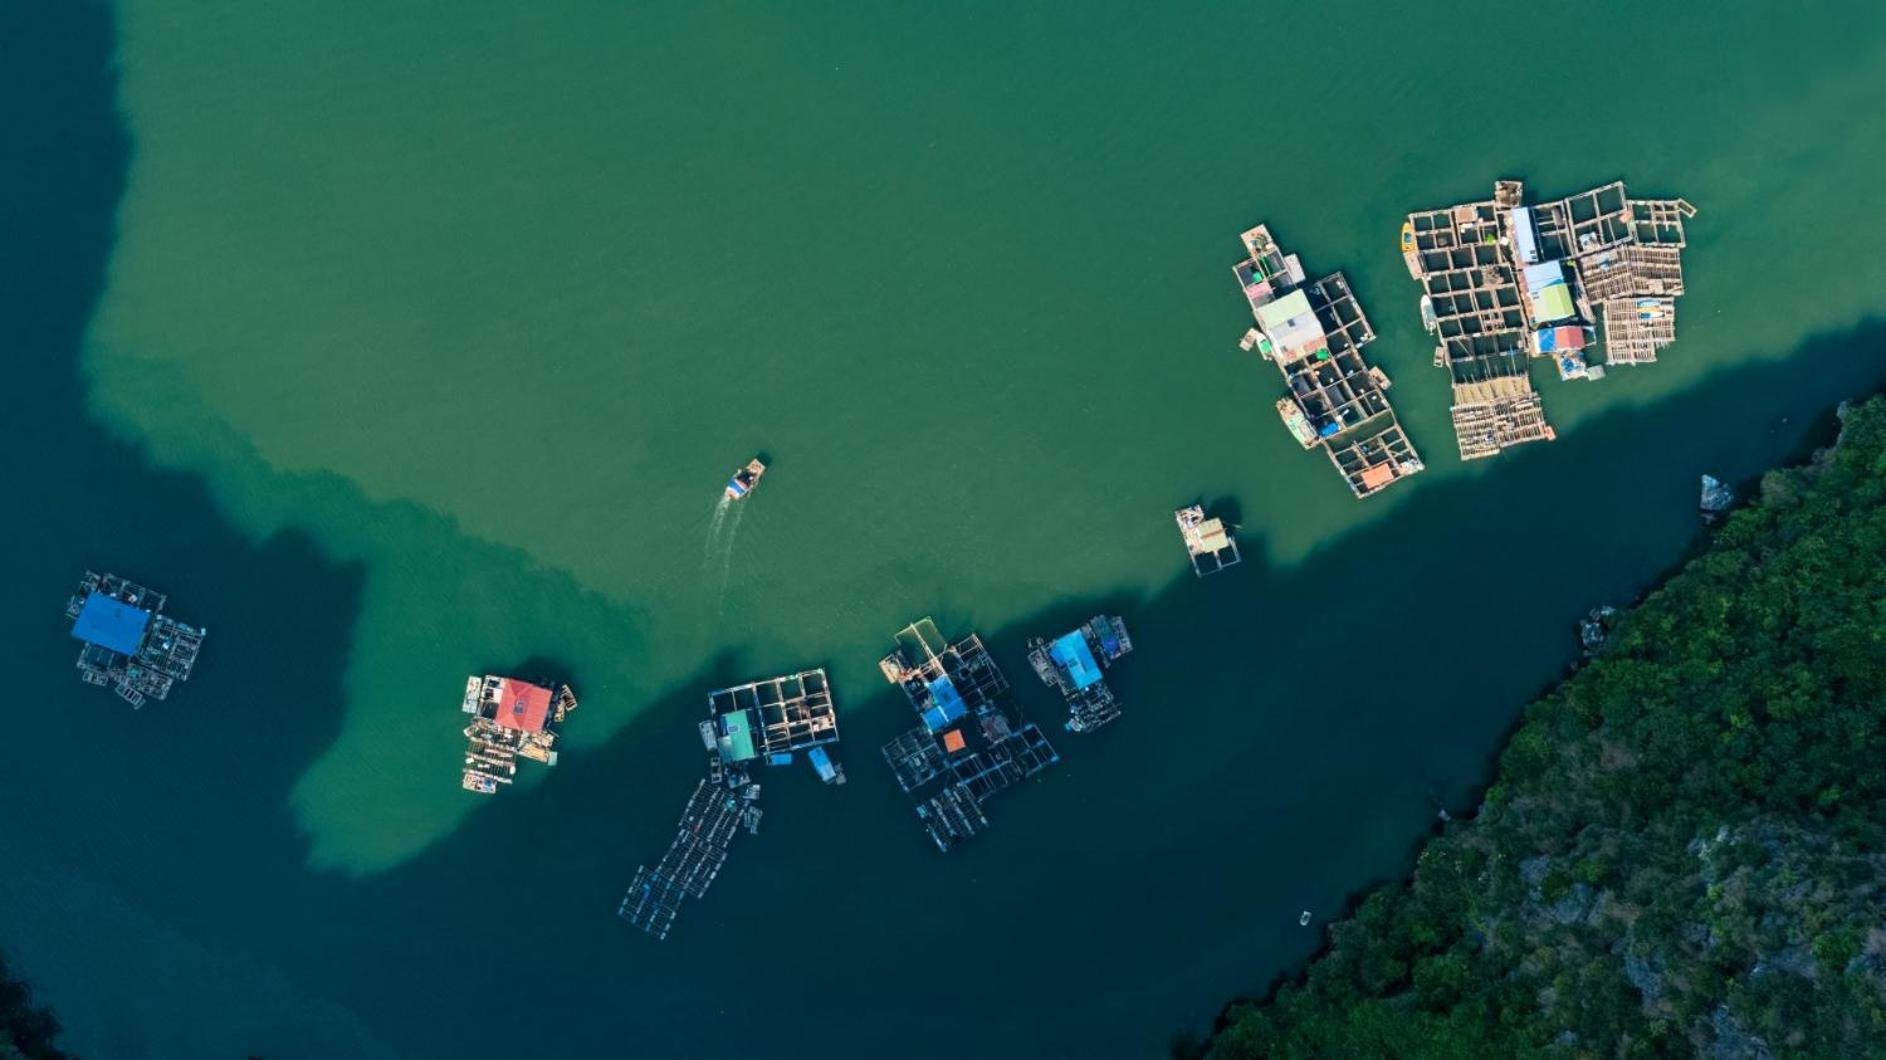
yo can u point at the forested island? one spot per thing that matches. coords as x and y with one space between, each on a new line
26 1031
1683 849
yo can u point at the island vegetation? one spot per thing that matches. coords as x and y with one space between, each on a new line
1683 851
27 1032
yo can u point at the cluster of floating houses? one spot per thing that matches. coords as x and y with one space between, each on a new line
1503 282
1314 332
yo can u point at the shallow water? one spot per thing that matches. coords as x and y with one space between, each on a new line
424 334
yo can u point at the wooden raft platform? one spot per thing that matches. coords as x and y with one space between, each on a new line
1314 332
1503 282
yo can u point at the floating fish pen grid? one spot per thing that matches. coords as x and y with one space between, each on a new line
1314 332
1503 282
1071 664
511 719
693 860
767 722
1207 541
971 744
130 646
773 720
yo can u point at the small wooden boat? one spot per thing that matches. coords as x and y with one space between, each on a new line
1409 255
745 479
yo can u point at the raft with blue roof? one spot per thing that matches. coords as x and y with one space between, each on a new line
1072 665
971 743
130 646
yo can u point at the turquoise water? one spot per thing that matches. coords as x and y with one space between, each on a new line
404 341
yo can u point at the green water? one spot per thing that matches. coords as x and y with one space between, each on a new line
402 341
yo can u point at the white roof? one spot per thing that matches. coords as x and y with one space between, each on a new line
1291 325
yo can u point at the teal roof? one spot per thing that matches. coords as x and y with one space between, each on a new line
736 737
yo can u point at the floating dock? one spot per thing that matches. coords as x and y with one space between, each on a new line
1314 331
768 722
1207 541
1503 282
971 743
511 719
130 647
1072 665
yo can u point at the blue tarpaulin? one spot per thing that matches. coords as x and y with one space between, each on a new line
1075 659
111 624
946 705
821 763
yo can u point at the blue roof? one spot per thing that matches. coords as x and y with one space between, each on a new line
111 624
821 762
1076 659
946 704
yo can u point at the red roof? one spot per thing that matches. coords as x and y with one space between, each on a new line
522 705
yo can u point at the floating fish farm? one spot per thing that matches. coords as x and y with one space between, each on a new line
1503 282
1071 664
1208 542
971 742
1314 332
131 647
511 719
769 722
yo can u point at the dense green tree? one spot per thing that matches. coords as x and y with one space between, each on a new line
1684 848
26 1032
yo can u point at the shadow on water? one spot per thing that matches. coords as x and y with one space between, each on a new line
1287 732
149 799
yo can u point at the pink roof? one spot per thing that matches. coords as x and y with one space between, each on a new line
522 705
1568 337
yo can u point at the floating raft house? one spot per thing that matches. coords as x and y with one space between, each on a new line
971 742
1207 541
1072 665
766 722
130 646
1314 333
511 719
1502 282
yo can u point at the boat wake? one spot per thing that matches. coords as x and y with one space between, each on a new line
723 530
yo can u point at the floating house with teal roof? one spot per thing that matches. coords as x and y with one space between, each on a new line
971 741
